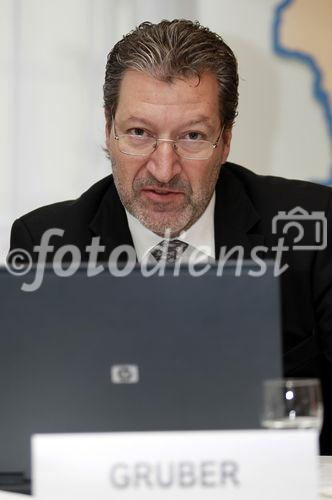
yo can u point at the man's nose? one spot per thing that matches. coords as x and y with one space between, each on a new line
164 163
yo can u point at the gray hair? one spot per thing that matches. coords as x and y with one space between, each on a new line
173 49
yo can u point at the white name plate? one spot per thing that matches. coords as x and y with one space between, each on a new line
209 465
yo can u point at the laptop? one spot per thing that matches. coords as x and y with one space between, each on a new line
133 353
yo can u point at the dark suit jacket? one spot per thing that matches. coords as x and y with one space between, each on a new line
245 206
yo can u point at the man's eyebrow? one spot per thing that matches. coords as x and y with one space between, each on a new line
199 120
140 119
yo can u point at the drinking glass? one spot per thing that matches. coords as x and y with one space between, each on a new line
292 404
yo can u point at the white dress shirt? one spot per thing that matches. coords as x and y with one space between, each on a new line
200 237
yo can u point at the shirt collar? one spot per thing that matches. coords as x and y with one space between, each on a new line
200 235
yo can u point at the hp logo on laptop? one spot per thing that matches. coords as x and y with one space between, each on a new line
124 374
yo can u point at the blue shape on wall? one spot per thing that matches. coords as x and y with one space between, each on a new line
318 91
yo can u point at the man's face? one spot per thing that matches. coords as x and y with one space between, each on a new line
164 191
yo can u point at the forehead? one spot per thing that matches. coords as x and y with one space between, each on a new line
142 95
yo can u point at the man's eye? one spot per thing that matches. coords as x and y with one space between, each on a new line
139 132
193 136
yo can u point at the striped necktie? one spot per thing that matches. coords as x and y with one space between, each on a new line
169 250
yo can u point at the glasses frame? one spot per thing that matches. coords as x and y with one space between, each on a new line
172 141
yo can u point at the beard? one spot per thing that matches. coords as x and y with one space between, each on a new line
165 218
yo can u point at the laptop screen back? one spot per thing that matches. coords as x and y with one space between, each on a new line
127 354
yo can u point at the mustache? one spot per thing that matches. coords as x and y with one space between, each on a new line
175 183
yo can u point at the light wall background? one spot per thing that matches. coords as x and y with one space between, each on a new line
52 59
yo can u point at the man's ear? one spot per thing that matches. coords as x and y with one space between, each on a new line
226 144
108 128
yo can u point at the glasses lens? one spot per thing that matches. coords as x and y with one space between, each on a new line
136 144
200 150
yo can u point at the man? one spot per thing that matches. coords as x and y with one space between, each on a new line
170 95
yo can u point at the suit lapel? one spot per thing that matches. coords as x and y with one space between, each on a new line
235 219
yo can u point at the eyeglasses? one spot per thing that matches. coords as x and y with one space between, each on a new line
145 145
